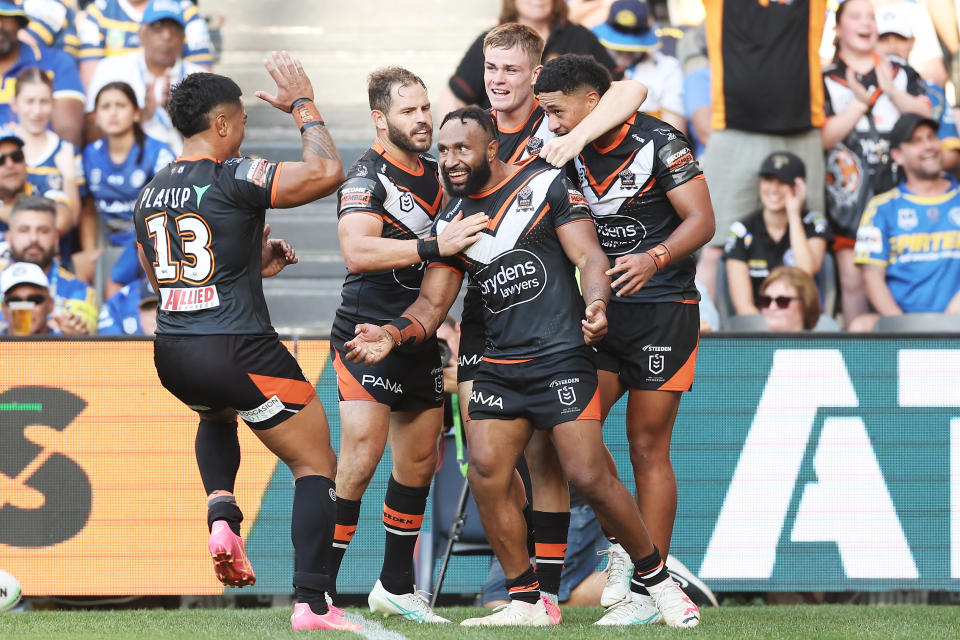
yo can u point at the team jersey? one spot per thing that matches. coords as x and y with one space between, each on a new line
62 68
44 174
200 224
626 185
663 76
120 314
859 166
406 203
532 305
115 187
750 242
943 116
112 28
516 145
917 239
53 24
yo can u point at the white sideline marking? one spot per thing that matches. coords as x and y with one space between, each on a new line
373 630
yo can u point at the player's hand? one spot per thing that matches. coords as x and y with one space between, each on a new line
275 254
594 323
635 270
562 149
292 82
461 233
370 346
795 196
70 324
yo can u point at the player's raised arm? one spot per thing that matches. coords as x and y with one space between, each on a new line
438 291
321 170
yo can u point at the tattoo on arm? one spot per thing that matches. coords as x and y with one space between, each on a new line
317 143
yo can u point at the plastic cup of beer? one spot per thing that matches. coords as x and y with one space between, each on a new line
21 317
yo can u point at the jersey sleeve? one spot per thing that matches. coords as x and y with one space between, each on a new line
467 81
66 78
674 164
197 46
566 202
91 32
252 182
873 239
735 247
816 226
361 194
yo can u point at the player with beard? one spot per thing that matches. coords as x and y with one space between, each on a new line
652 211
536 372
387 207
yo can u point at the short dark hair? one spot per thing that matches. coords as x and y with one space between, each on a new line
478 115
34 203
195 96
380 84
571 72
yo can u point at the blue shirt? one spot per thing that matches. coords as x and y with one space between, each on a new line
66 79
943 114
115 187
917 239
53 24
120 314
696 94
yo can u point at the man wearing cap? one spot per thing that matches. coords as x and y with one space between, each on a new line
908 243
130 311
634 44
112 28
33 237
14 184
782 232
896 38
24 283
15 56
150 71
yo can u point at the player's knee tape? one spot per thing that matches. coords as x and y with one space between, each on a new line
217 448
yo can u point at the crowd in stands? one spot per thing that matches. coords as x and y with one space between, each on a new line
798 112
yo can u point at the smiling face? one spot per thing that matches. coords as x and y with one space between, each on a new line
33 105
773 194
857 27
789 318
508 75
465 152
922 155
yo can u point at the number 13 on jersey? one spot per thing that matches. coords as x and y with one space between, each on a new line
194 261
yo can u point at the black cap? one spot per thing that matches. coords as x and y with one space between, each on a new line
906 125
784 166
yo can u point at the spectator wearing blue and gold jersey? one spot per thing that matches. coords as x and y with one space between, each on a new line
15 56
908 242
112 28
53 23
33 237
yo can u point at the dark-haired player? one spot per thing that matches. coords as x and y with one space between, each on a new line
387 207
200 224
536 372
652 212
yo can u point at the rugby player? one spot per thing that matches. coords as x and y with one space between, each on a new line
536 372
652 210
199 225
512 54
387 208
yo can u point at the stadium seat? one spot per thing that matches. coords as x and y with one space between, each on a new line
919 323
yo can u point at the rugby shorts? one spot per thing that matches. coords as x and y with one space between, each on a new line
408 379
651 345
254 375
472 337
548 391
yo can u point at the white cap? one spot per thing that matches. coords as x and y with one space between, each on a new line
891 19
22 273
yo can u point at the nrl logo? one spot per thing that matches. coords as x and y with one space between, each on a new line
656 363
567 395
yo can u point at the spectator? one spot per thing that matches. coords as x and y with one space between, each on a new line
25 290
51 160
865 94
767 96
782 232
907 242
150 72
116 167
629 36
114 27
53 23
927 58
15 56
789 301
896 39
549 19
14 184
130 311
697 108
33 238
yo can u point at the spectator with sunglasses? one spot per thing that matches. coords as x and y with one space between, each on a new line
24 283
788 300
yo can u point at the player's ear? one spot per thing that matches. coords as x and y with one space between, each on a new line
379 119
492 148
536 73
221 125
592 98
896 155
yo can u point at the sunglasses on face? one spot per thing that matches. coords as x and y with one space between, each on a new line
782 302
35 299
16 156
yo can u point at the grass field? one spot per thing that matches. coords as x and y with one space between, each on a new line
766 622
